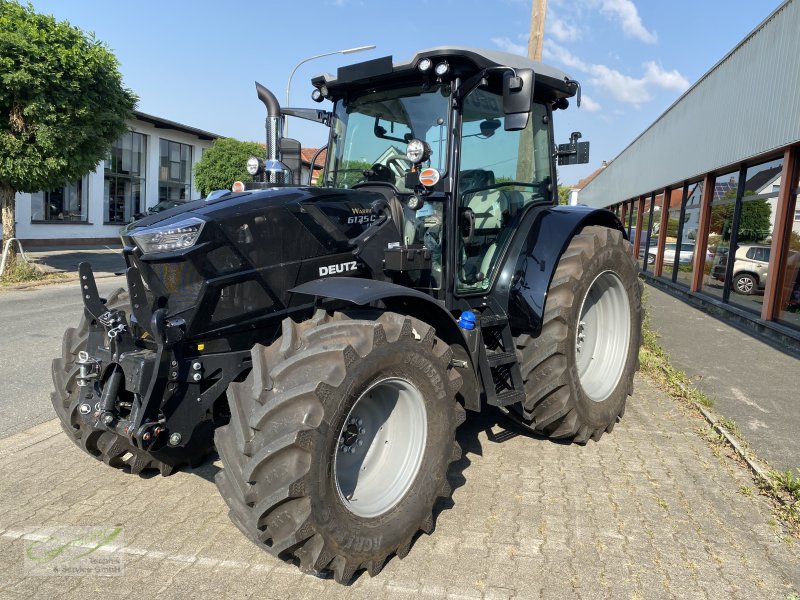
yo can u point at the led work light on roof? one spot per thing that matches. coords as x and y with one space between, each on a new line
424 65
442 68
317 96
254 165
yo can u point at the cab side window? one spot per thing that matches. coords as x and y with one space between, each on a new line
501 172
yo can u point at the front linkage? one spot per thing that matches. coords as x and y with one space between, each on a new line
136 381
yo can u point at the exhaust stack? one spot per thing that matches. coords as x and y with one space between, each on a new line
275 170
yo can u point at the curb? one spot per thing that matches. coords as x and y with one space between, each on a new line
757 470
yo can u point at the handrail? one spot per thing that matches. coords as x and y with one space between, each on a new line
5 253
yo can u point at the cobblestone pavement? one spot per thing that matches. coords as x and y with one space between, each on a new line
649 512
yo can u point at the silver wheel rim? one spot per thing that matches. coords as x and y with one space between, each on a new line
603 336
745 285
380 447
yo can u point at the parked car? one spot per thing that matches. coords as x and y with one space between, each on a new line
750 266
686 254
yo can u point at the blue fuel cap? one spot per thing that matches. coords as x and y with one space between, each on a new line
467 320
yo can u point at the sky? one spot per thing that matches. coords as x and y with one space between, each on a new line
195 62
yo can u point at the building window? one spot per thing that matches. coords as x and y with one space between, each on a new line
723 206
686 234
754 235
175 173
66 204
648 246
125 178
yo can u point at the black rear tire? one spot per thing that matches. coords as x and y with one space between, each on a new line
280 478
559 404
103 445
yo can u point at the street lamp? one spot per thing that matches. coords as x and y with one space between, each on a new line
305 60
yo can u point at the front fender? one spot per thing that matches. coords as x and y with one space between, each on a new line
404 301
533 256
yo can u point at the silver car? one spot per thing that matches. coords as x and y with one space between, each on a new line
686 254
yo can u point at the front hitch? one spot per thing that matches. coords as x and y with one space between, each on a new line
142 426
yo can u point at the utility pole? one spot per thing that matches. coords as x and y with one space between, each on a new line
537 29
525 152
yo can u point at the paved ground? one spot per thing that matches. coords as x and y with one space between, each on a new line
649 512
105 260
32 322
751 382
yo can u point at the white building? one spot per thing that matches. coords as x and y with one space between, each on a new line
154 162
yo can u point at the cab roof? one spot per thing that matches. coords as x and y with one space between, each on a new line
463 61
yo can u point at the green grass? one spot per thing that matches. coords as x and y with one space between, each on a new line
783 487
655 362
730 425
20 271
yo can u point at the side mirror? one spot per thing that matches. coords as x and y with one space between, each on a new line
517 98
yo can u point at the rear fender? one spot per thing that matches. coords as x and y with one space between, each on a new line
404 301
532 258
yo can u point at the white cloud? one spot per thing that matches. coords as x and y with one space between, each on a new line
507 45
627 15
588 104
561 30
624 88
669 80
554 52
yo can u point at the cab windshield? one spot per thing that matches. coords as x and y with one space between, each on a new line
370 134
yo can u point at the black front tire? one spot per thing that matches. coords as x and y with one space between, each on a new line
557 405
279 476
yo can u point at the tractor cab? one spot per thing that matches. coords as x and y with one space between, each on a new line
458 141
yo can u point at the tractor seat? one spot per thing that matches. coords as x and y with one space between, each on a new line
490 208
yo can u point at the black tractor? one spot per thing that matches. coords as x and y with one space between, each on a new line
326 340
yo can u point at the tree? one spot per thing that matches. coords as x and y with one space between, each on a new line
62 104
754 223
224 163
563 194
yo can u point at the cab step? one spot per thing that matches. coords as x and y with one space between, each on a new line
501 358
509 397
499 366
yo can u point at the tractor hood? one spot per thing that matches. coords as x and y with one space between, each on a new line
260 201
238 256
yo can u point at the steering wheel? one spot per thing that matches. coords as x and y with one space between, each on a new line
381 173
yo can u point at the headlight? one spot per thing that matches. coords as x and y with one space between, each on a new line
177 236
254 165
417 151
424 65
441 69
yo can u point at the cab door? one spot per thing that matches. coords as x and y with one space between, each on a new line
500 174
